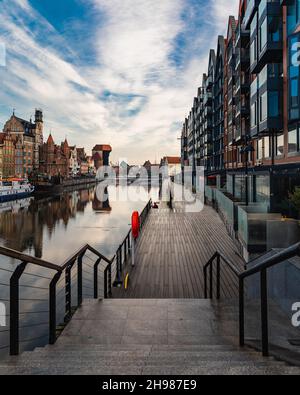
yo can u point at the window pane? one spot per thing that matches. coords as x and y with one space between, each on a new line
267 147
293 141
273 104
280 145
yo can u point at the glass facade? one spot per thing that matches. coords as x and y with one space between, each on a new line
255 98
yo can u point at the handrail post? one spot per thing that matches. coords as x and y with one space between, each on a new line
205 283
14 309
129 243
218 277
211 280
125 251
264 313
79 280
68 292
242 312
121 260
106 283
109 282
96 278
119 266
52 308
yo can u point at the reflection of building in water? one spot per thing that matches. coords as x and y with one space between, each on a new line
101 201
23 229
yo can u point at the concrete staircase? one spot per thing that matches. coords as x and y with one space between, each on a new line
148 337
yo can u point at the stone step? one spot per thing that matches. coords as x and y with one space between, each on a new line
131 363
152 370
176 359
127 348
204 355
175 340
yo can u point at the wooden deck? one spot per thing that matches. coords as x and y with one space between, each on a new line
171 253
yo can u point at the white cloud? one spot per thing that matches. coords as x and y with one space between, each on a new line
132 45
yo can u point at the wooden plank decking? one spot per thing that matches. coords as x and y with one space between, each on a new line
171 253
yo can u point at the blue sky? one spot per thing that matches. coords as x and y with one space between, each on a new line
121 72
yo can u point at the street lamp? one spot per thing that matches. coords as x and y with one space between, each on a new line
246 150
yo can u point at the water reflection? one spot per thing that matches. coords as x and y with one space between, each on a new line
54 228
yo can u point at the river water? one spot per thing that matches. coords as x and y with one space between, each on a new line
53 229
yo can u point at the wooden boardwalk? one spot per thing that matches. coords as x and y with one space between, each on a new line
171 253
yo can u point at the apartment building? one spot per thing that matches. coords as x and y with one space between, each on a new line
248 107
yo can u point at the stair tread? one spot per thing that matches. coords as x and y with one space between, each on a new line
205 348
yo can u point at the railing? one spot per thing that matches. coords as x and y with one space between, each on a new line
82 262
14 286
262 269
122 256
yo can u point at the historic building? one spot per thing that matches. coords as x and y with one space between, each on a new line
7 156
74 166
27 137
24 154
101 155
54 159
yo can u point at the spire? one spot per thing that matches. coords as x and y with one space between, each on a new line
66 144
50 139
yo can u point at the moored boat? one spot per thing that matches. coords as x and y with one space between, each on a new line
15 188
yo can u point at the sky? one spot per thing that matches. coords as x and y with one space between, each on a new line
119 72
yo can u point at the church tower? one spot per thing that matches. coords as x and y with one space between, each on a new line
38 134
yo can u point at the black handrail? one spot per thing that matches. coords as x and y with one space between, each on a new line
59 269
261 268
122 255
66 267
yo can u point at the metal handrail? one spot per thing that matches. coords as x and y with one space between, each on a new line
28 259
59 269
66 267
122 255
261 268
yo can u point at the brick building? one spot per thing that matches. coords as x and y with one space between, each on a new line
54 159
27 137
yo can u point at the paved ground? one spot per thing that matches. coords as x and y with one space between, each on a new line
149 337
171 253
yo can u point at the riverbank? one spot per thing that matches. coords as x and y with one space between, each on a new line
44 189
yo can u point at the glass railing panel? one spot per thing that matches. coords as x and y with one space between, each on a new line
284 306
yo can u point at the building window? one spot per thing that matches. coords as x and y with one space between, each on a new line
260 149
253 115
253 52
293 140
263 107
267 147
273 105
280 145
263 35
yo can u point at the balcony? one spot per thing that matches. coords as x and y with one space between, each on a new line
242 36
250 11
242 85
269 45
242 109
243 58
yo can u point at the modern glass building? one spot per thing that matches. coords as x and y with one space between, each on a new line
249 106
